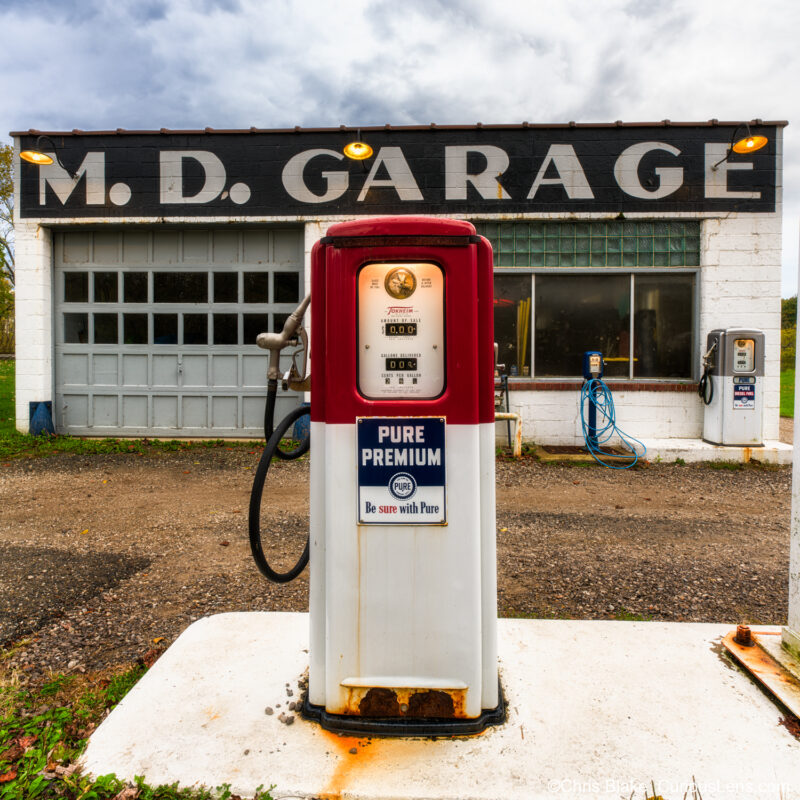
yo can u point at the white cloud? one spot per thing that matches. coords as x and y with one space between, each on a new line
235 63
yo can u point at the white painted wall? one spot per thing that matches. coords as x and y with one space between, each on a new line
739 286
553 417
33 302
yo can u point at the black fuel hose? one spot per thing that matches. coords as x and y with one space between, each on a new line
254 522
705 388
269 416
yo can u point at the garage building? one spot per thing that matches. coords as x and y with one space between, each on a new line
147 262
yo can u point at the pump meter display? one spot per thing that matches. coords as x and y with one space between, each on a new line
401 345
744 355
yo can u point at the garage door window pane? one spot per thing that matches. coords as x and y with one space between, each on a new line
135 284
253 325
195 329
165 329
512 315
256 287
76 328
662 326
76 287
105 328
287 287
575 313
226 329
180 287
226 287
134 328
105 287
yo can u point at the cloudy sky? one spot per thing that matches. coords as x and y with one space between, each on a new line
100 64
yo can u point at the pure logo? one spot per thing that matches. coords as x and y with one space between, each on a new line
402 486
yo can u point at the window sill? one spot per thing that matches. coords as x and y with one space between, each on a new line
615 384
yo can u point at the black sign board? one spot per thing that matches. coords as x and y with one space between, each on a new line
454 171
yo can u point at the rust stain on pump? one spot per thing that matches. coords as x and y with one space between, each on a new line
431 704
747 454
379 702
415 703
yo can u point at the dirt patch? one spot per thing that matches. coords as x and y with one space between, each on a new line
787 430
166 543
37 583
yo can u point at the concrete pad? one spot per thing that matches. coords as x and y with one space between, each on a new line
773 452
596 710
691 450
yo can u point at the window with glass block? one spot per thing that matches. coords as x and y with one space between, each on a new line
608 243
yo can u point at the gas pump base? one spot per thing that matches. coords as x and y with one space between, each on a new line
350 725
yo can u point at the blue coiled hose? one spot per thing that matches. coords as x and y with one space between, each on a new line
595 392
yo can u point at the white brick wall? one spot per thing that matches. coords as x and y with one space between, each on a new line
33 304
740 287
553 417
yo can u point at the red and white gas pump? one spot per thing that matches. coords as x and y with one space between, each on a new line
403 600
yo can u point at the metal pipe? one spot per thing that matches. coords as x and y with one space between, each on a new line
517 431
275 342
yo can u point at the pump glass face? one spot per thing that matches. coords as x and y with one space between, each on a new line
744 355
401 331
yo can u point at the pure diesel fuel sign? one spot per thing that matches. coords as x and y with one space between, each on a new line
401 470
438 170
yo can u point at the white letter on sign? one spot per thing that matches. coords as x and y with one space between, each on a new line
172 176
626 171
487 182
400 177
93 166
570 173
295 184
717 178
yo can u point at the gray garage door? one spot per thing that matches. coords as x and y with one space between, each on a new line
155 330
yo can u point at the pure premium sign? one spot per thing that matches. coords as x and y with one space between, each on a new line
412 171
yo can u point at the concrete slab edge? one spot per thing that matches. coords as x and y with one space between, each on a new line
690 451
759 662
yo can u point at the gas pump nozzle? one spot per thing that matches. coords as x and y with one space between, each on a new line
275 342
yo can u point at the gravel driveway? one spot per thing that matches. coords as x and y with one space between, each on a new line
107 557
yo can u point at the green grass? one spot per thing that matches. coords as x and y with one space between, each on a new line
6 397
787 393
623 615
731 466
43 731
21 445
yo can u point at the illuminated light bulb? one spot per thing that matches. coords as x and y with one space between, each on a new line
35 157
358 151
749 144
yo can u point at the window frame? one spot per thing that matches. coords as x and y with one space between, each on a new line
631 272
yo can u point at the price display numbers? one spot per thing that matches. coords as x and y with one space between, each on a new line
401 364
400 329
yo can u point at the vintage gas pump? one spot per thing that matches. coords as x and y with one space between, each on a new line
732 387
403 601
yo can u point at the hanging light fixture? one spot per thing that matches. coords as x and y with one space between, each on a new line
749 144
40 158
357 150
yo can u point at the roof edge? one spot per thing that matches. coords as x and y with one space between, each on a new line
664 123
